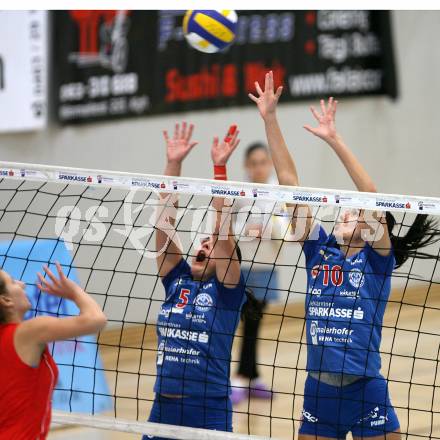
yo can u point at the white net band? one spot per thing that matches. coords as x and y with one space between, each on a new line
182 185
147 428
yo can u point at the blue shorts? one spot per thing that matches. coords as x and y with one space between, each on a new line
362 408
195 412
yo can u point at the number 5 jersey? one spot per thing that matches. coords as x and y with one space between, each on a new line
195 331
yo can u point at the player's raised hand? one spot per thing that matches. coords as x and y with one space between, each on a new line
326 129
180 144
221 151
267 99
61 286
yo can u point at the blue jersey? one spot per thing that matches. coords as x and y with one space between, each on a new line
345 304
195 331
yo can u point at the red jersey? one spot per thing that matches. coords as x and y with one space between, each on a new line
25 392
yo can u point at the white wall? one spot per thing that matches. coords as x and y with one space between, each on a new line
397 141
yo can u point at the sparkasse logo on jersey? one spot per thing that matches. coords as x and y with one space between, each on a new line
337 312
185 335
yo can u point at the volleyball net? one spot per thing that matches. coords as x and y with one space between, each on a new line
101 227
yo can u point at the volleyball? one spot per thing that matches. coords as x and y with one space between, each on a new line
210 31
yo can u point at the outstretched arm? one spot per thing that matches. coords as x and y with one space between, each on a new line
168 248
326 131
32 335
267 101
224 251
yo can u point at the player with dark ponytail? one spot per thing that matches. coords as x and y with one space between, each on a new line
423 232
252 308
348 287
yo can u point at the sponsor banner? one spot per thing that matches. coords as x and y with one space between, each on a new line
227 191
113 64
392 203
7 173
308 198
23 70
428 206
312 53
104 62
211 188
146 183
82 386
73 177
106 180
31 174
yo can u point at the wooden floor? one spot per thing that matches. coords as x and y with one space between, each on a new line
410 346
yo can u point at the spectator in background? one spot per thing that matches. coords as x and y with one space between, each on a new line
254 226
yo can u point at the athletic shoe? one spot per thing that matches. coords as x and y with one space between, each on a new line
239 390
260 390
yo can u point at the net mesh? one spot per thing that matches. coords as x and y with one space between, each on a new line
101 227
